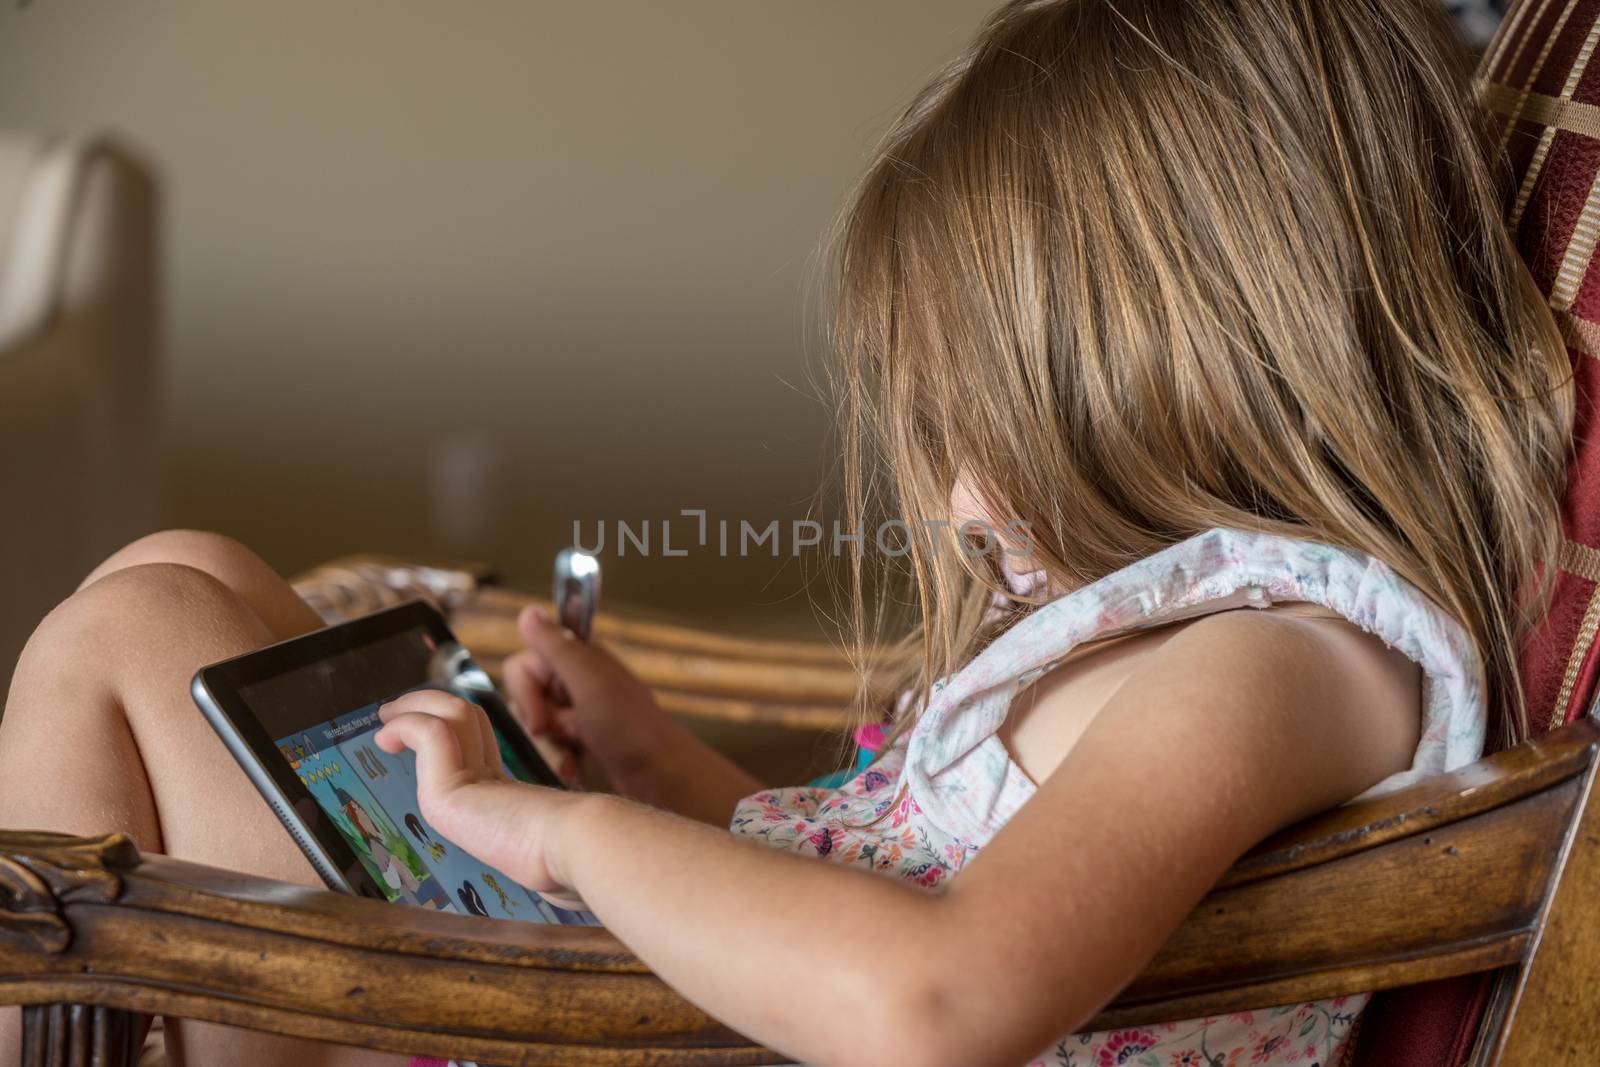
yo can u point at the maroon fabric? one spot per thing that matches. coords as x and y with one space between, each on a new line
1430 1025
1541 85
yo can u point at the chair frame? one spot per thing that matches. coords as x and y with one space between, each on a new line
1482 870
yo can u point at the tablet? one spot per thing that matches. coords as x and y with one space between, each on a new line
299 717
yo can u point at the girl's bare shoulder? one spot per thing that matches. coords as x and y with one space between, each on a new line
1267 656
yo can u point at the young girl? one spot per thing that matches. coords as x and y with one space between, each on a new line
1210 300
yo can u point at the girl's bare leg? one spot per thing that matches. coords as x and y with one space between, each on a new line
100 734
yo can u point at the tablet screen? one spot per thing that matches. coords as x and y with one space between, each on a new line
370 796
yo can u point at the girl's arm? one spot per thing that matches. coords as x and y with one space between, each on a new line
1238 725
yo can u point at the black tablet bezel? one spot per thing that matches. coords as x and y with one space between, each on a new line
217 690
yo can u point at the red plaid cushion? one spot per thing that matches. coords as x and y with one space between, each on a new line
1538 80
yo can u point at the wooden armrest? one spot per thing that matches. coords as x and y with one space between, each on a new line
1450 876
91 921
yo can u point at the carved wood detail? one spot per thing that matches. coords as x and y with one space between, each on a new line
40 873
78 1035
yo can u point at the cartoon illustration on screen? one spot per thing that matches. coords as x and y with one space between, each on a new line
402 881
296 751
471 900
361 820
395 797
505 901
435 848
370 763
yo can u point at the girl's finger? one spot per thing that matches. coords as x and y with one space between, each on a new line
582 668
538 720
531 664
435 702
542 719
489 743
558 757
439 760
457 714
570 770
526 676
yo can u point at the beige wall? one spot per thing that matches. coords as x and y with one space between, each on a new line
565 243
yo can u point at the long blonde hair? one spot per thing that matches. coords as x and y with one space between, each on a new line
1148 267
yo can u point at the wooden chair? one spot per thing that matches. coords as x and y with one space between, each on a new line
1471 893
1484 870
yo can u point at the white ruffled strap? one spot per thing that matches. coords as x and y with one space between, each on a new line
1211 572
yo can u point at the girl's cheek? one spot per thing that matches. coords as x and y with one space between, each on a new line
966 506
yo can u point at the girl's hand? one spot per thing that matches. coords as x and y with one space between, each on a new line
464 794
610 716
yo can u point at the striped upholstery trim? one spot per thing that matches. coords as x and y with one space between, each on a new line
1524 94
1580 648
1580 250
1551 111
1581 335
1511 31
1584 562
1580 560
1528 10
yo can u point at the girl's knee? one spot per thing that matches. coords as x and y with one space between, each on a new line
144 621
212 553
159 600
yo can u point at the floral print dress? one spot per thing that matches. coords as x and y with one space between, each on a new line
921 810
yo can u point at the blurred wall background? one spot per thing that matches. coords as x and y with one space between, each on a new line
443 279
